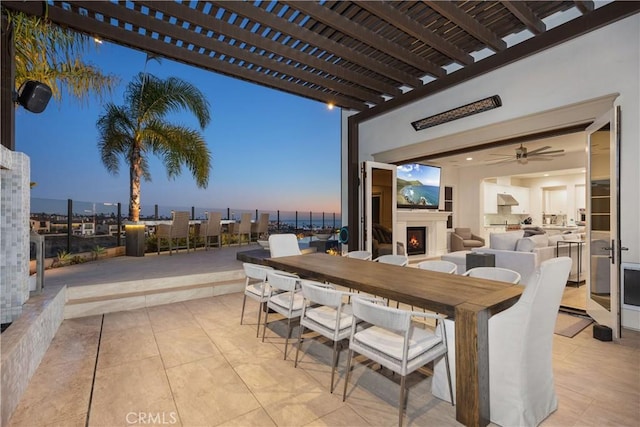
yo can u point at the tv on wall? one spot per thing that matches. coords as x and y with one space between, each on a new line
418 186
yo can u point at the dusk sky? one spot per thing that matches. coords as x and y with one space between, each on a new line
270 150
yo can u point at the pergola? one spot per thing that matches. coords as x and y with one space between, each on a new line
365 56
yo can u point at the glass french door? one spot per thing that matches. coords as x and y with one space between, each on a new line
603 286
380 198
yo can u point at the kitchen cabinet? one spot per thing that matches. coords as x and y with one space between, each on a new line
521 194
555 201
490 198
491 191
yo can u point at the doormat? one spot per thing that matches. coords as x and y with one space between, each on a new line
569 326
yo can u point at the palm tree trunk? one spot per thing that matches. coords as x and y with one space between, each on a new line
134 186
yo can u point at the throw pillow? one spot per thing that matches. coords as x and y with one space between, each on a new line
540 240
526 244
505 241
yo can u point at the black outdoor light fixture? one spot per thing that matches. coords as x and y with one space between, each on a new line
458 113
33 96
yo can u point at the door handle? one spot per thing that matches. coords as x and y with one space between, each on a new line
622 248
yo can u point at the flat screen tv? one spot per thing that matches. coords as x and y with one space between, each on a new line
418 186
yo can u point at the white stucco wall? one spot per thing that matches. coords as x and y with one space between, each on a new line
603 62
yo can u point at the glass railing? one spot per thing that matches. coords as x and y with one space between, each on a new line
73 227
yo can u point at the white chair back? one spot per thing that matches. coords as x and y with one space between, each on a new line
495 273
401 260
520 351
255 271
283 245
366 255
438 265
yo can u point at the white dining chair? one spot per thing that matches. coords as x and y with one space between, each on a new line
495 273
394 341
365 255
325 312
284 298
521 386
256 288
401 260
438 265
283 245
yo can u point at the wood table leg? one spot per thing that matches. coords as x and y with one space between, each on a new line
472 365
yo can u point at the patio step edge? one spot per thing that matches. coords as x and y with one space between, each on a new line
109 303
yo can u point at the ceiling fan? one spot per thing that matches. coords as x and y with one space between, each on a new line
523 156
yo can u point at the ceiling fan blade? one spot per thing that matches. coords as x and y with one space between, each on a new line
537 150
502 155
537 158
548 152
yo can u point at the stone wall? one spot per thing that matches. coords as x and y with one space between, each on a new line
14 233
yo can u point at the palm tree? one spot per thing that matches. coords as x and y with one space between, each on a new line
53 55
139 127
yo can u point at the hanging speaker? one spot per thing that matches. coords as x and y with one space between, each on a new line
34 96
343 236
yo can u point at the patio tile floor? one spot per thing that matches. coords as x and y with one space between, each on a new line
191 363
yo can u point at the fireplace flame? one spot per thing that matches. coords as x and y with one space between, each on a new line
414 242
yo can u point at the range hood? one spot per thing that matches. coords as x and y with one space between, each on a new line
507 200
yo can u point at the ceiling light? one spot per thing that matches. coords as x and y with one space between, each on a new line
330 105
546 174
97 40
458 113
469 158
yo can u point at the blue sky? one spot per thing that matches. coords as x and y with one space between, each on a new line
270 150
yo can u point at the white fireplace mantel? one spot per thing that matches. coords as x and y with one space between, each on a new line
435 223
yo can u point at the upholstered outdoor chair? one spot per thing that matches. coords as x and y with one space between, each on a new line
522 392
325 312
211 228
394 341
401 260
495 273
283 245
243 228
462 239
256 288
284 298
178 229
365 255
438 265
261 228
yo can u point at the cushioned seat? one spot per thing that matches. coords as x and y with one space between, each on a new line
462 239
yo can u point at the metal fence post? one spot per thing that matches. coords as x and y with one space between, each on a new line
119 238
69 223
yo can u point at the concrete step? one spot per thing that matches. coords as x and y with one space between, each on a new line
103 298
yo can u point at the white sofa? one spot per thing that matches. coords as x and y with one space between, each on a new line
524 254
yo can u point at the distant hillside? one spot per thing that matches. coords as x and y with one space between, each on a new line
403 183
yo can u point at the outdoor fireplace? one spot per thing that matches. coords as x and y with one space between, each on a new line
416 240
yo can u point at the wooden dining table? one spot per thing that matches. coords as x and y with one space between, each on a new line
471 301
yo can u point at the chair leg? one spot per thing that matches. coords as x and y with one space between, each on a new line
260 308
286 342
158 244
446 363
264 327
401 403
295 363
333 365
346 375
244 300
